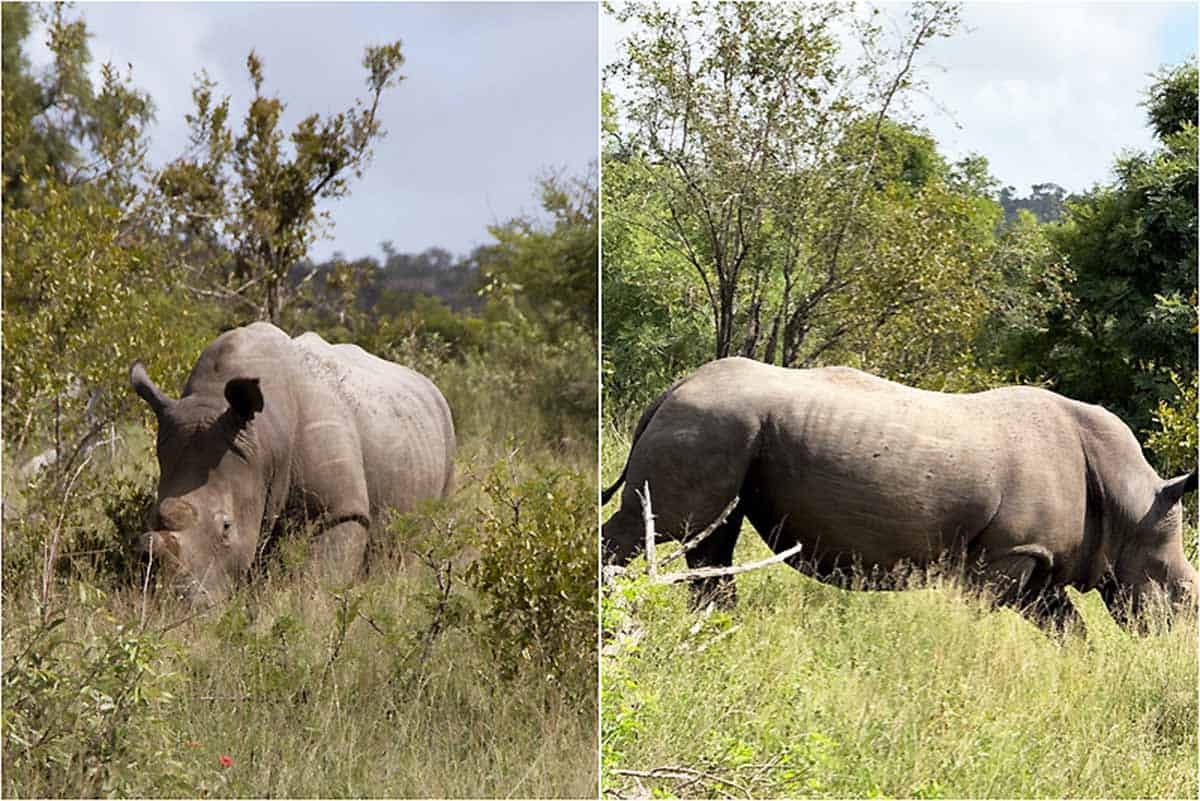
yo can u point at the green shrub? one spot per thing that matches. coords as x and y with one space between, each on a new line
1174 440
75 710
537 572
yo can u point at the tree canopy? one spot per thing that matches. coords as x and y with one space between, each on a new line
764 196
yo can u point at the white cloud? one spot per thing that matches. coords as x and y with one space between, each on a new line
1046 93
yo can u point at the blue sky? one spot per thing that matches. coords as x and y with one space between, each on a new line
1045 91
495 95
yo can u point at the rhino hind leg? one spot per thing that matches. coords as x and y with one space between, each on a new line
716 550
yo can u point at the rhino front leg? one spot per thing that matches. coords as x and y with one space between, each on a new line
1020 578
341 550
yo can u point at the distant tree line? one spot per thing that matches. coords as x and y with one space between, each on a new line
1047 202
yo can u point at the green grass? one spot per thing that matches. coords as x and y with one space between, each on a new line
805 690
308 689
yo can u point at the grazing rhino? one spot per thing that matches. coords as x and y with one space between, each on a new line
1036 491
271 428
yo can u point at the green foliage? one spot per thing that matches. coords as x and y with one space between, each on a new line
83 300
77 712
1171 100
656 325
252 195
548 273
57 126
1174 439
747 153
916 321
537 571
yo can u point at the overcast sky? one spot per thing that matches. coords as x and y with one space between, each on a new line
496 94
1047 92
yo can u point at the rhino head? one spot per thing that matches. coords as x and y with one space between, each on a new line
1151 569
211 493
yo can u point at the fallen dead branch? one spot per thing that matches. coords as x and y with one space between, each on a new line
689 775
691 542
699 572
648 524
710 572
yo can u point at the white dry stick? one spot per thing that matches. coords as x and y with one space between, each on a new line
648 523
146 583
711 572
691 543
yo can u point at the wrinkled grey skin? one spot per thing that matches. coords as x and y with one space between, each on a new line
272 428
1036 491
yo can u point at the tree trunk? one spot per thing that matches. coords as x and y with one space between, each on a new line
272 301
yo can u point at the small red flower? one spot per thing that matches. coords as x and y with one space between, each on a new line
226 761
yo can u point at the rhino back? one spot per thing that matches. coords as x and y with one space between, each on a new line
400 423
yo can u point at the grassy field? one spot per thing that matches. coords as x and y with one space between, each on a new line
401 685
804 690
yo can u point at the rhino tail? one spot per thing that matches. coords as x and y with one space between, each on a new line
638 430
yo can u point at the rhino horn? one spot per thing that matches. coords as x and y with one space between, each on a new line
147 389
1174 490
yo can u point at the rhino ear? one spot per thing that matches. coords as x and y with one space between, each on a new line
245 397
146 389
1176 488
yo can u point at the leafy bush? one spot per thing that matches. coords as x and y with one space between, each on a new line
84 523
74 710
1174 441
537 571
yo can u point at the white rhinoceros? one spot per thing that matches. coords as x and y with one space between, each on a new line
1035 490
271 427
